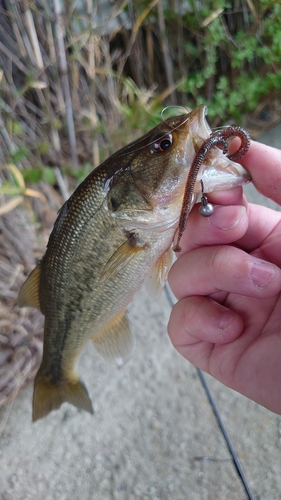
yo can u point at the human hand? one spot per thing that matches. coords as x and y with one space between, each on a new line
228 282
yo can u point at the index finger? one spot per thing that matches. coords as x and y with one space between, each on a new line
264 164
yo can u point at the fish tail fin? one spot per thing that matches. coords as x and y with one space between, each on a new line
48 397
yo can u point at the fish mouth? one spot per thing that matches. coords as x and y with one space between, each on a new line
223 173
217 172
199 125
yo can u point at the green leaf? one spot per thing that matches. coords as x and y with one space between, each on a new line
48 175
20 153
17 128
32 175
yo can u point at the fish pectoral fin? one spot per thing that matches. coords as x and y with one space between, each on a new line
115 341
123 255
29 292
48 397
155 279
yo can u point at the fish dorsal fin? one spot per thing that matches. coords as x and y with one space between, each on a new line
115 341
155 279
29 292
123 255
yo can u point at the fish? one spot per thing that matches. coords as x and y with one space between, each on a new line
115 232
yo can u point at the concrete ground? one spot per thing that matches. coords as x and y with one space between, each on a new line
153 435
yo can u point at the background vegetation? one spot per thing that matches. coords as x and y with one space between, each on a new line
79 79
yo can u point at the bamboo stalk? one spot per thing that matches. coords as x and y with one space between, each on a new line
55 138
135 30
150 54
167 61
33 38
13 58
92 75
253 10
180 47
8 141
62 184
51 43
65 82
30 40
20 43
25 39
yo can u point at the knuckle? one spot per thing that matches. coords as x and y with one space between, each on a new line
190 312
182 320
220 259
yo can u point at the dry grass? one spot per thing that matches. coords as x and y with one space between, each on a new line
21 330
23 238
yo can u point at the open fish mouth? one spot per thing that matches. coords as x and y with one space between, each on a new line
219 172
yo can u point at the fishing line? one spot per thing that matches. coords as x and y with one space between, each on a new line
226 436
169 110
211 399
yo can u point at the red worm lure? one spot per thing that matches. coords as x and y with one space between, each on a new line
219 139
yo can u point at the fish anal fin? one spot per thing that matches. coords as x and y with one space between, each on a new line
121 257
115 341
48 397
29 292
155 279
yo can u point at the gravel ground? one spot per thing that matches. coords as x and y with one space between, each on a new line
153 435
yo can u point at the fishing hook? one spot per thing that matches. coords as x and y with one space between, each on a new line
206 209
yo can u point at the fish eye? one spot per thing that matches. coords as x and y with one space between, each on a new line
162 144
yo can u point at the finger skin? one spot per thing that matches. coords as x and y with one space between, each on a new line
264 164
227 224
233 196
198 326
263 234
208 270
200 318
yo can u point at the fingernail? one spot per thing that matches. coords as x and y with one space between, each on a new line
227 217
225 320
262 273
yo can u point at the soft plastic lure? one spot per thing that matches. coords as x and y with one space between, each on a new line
219 139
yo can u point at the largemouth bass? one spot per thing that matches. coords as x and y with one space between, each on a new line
114 232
